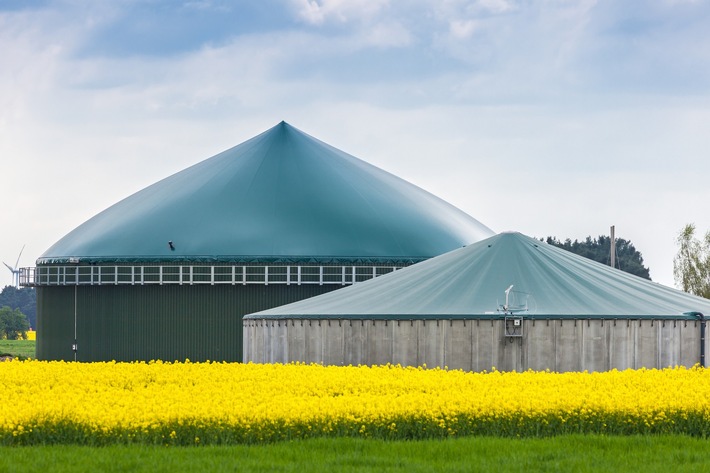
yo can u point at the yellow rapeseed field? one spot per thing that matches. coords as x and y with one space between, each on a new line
215 403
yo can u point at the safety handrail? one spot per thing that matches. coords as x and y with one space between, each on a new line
71 275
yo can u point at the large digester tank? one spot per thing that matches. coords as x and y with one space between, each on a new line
168 272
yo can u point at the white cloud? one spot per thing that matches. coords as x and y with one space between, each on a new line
462 29
495 6
387 35
461 10
318 12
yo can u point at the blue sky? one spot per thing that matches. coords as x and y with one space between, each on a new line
550 118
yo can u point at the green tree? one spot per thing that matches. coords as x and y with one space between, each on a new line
691 266
24 299
628 259
13 324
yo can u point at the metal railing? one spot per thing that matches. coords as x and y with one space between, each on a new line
71 275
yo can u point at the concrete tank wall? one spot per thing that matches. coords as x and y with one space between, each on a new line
475 345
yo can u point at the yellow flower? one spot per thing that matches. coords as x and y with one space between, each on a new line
247 402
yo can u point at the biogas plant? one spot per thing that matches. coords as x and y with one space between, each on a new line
238 258
168 272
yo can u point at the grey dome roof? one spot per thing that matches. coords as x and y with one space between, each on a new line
471 282
280 196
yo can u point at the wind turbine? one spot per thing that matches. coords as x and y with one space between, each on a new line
15 270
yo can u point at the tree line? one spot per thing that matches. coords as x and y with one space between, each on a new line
691 265
18 312
627 258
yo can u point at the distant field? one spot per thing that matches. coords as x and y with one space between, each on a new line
18 348
567 453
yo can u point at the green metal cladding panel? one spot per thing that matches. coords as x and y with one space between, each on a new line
55 330
170 322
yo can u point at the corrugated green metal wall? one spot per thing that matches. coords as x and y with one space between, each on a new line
153 322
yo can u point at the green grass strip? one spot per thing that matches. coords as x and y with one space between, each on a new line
570 453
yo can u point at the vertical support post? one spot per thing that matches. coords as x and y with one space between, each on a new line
702 339
700 317
74 346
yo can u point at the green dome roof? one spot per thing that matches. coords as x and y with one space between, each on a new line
280 196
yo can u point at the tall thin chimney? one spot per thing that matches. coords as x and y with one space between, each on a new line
613 248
